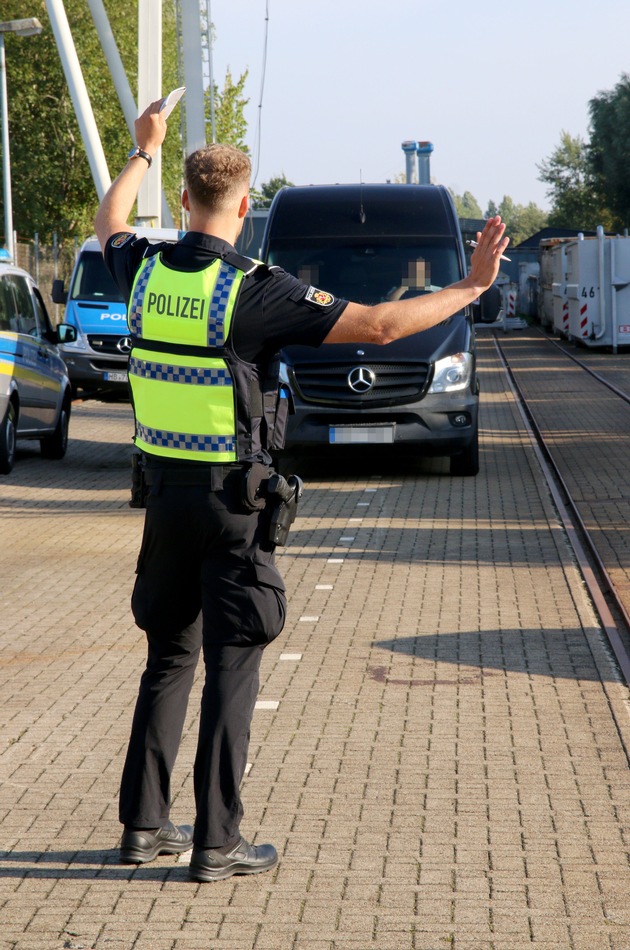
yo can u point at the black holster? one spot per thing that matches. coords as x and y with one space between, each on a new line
285 494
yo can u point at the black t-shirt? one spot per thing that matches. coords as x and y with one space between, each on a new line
274 309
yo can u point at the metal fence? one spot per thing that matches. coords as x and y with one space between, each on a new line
47 262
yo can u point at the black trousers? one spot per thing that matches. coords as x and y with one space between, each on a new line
206 579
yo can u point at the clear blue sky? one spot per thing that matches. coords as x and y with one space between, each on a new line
491 85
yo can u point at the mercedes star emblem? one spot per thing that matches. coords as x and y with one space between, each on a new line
124 344
361 379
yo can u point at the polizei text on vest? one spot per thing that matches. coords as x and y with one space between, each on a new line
168 305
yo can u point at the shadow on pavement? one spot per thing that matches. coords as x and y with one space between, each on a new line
553 653
85 865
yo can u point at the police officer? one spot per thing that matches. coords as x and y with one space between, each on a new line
206 324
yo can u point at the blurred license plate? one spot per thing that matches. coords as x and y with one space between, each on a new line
376 434
116 377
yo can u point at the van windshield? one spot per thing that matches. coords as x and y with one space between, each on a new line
370 273
92 280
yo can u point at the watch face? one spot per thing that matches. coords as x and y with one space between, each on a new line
133 152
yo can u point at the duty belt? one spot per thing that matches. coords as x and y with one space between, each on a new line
212 475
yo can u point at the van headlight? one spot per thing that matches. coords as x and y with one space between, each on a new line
284 374
452 373
80 343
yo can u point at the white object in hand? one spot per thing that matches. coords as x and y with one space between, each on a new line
503 257
171 101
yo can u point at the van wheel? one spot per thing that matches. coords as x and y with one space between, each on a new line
54 446
467 462
7 441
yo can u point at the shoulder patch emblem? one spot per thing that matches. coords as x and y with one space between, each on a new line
320 297
122 239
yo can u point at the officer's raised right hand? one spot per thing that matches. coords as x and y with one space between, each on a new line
151 128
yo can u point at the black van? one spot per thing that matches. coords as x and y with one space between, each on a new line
371 243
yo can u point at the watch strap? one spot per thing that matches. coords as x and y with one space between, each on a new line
138 152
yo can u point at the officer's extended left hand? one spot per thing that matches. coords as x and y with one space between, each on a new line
486 258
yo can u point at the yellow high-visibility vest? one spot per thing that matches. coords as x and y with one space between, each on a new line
193 398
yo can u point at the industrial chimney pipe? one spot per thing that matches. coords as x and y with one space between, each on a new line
409 148
423 151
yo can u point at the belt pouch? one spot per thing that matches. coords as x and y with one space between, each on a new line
252 486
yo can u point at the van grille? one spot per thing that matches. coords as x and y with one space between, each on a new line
395 383
106 343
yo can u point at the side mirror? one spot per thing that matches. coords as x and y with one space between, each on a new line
58 294
66 333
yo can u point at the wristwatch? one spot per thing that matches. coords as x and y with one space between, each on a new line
137 152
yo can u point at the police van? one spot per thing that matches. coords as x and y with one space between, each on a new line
97 360
35 397
369 244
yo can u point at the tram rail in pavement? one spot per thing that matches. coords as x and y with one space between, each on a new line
590 456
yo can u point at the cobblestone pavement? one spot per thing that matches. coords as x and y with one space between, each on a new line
439 748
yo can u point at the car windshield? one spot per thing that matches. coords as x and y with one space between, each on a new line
92 280
370 273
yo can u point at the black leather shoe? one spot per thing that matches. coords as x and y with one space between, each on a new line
138 847
244 858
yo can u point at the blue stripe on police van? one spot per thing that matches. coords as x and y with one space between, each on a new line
137 298
166 372
219 303
185 441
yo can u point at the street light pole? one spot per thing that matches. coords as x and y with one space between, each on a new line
27 27
6 164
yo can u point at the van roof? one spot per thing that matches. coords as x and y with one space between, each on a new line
153 234
8 267
363 210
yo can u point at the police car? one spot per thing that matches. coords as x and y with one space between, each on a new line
98 356
35 394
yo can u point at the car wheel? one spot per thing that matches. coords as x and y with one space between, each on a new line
7 441
54 446
467 462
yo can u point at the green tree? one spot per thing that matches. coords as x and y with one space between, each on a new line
229 111
268 190
52 184
521 221
572 191
466 205
609 149
492 210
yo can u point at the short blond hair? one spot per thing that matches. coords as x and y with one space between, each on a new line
214 173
